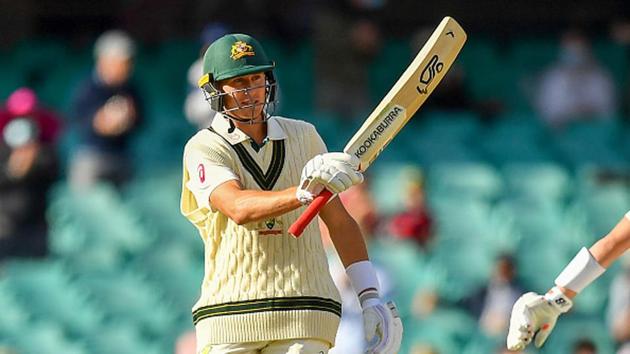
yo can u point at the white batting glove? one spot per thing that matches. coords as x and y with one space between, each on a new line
534 316
383 328
334 171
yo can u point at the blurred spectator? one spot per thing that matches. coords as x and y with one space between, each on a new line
421 348
619 306
415 223
577 86
29 166
584 346
186 343
493 303
107 109
425 301
346 39
196 109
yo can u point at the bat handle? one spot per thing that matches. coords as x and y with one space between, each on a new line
302 222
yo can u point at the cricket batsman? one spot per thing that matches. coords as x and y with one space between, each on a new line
246 178
534 316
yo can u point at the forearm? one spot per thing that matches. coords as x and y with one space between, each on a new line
252 205
345 234
613 245
605 251
349 242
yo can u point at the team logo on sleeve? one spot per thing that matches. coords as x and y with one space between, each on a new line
241 49
201 170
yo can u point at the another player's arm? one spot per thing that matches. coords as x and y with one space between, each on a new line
613 245
608 248
536 315
246 205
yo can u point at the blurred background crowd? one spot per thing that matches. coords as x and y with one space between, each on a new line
520 157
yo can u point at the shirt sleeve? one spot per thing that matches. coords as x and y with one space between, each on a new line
317 143
207 171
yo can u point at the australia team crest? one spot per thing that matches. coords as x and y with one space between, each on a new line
270 227
241 49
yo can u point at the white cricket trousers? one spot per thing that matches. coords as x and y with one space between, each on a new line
290 346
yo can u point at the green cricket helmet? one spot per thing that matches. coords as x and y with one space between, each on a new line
235 55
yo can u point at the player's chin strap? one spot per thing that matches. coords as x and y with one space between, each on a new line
251 121
244 121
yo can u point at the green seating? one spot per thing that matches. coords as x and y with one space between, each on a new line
296 81
477 180
480 58
515 138
155 199
451 321
539 181
467 266
52 295
482 344
15 317
614 57
386 68
459 217
574 328
47 338
592 142
606 207
11 80
533 53
535 218
120 338
552 260
59 86
425 335
106 222
177 269
128 296
451 126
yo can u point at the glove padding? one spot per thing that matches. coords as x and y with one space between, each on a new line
383 328
534 316
336 171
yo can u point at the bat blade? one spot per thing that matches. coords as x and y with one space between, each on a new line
398 106
410 91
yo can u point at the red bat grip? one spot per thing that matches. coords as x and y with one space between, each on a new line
302 222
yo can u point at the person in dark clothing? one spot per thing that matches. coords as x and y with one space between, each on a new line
493 302
107 110
28 168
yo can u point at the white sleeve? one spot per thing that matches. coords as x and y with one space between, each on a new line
205 176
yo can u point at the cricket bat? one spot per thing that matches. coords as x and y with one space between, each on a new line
398 106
